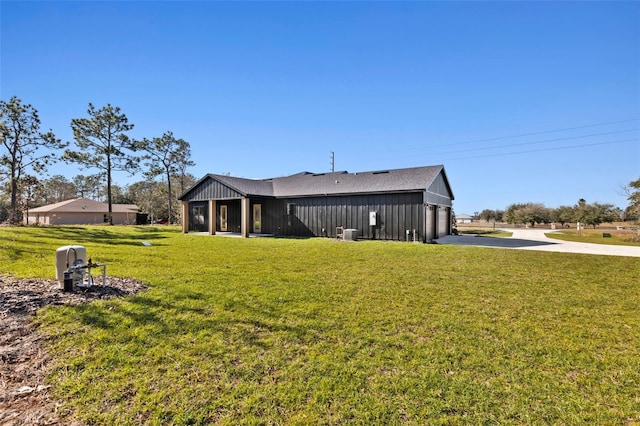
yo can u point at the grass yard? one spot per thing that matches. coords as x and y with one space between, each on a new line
596 236
497 233
313 331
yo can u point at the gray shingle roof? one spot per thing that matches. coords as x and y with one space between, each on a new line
247 186
398 180
335 183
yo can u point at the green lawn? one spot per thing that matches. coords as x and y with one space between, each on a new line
497 233
313 331
622 238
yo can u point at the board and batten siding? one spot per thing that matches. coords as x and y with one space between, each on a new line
199 216
212 190
406 213
438 192
319 217
395 215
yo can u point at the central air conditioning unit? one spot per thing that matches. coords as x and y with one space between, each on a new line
350 235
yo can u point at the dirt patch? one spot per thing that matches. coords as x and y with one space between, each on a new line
24 363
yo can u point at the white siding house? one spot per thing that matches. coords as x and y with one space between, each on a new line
464 218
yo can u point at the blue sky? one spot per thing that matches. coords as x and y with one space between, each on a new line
521 101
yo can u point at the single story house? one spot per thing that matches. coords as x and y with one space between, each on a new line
81 211
464 218
412 204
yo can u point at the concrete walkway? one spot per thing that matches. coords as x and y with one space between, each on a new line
535 239
232 234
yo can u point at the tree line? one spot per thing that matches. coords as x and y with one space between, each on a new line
102 144
589 214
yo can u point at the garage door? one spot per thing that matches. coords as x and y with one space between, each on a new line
443 221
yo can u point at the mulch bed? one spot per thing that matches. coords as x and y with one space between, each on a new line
24 393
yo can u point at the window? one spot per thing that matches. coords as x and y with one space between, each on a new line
198 215
291 208
223 218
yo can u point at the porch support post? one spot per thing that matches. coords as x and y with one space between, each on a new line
185 217
245 225
213 218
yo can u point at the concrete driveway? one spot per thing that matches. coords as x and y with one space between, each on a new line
535 239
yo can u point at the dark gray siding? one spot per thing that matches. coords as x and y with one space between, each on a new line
395 214
199 216
211 190
438 192
400 201
234 215
272 211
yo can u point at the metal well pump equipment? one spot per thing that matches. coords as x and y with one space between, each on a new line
68 257
73 270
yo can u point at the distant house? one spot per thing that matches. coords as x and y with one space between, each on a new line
81 211
404 204
464 218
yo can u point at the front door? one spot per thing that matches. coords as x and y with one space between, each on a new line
257 218
223 218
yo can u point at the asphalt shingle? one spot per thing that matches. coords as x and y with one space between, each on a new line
335 183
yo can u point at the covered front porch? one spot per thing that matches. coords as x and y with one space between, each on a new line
231 217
